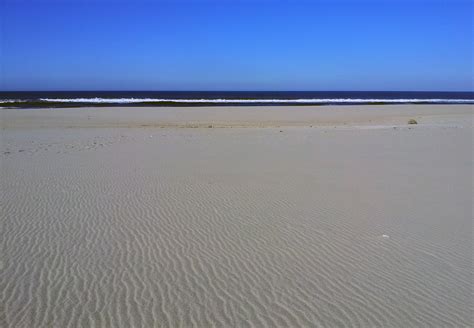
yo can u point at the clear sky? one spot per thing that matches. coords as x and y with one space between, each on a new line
236 45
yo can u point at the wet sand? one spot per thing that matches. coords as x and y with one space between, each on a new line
236 217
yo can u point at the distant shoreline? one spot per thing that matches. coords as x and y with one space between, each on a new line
55 99
40 104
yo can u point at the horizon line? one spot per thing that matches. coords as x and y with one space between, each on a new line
170 90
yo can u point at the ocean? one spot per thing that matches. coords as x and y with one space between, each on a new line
220 98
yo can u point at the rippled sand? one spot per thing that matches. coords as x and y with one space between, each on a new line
334 216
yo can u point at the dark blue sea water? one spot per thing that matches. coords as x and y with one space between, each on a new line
201 98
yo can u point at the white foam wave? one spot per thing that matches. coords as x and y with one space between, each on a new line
236 101
4 101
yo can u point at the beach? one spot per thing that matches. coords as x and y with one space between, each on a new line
254 216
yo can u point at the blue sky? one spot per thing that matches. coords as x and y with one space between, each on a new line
236 45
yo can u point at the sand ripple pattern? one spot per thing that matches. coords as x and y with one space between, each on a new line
239 229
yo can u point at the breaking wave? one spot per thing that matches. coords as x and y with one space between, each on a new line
237 101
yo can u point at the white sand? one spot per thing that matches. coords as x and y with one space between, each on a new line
117 217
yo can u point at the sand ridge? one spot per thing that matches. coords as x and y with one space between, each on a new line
229 116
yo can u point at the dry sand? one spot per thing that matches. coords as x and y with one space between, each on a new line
327 216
